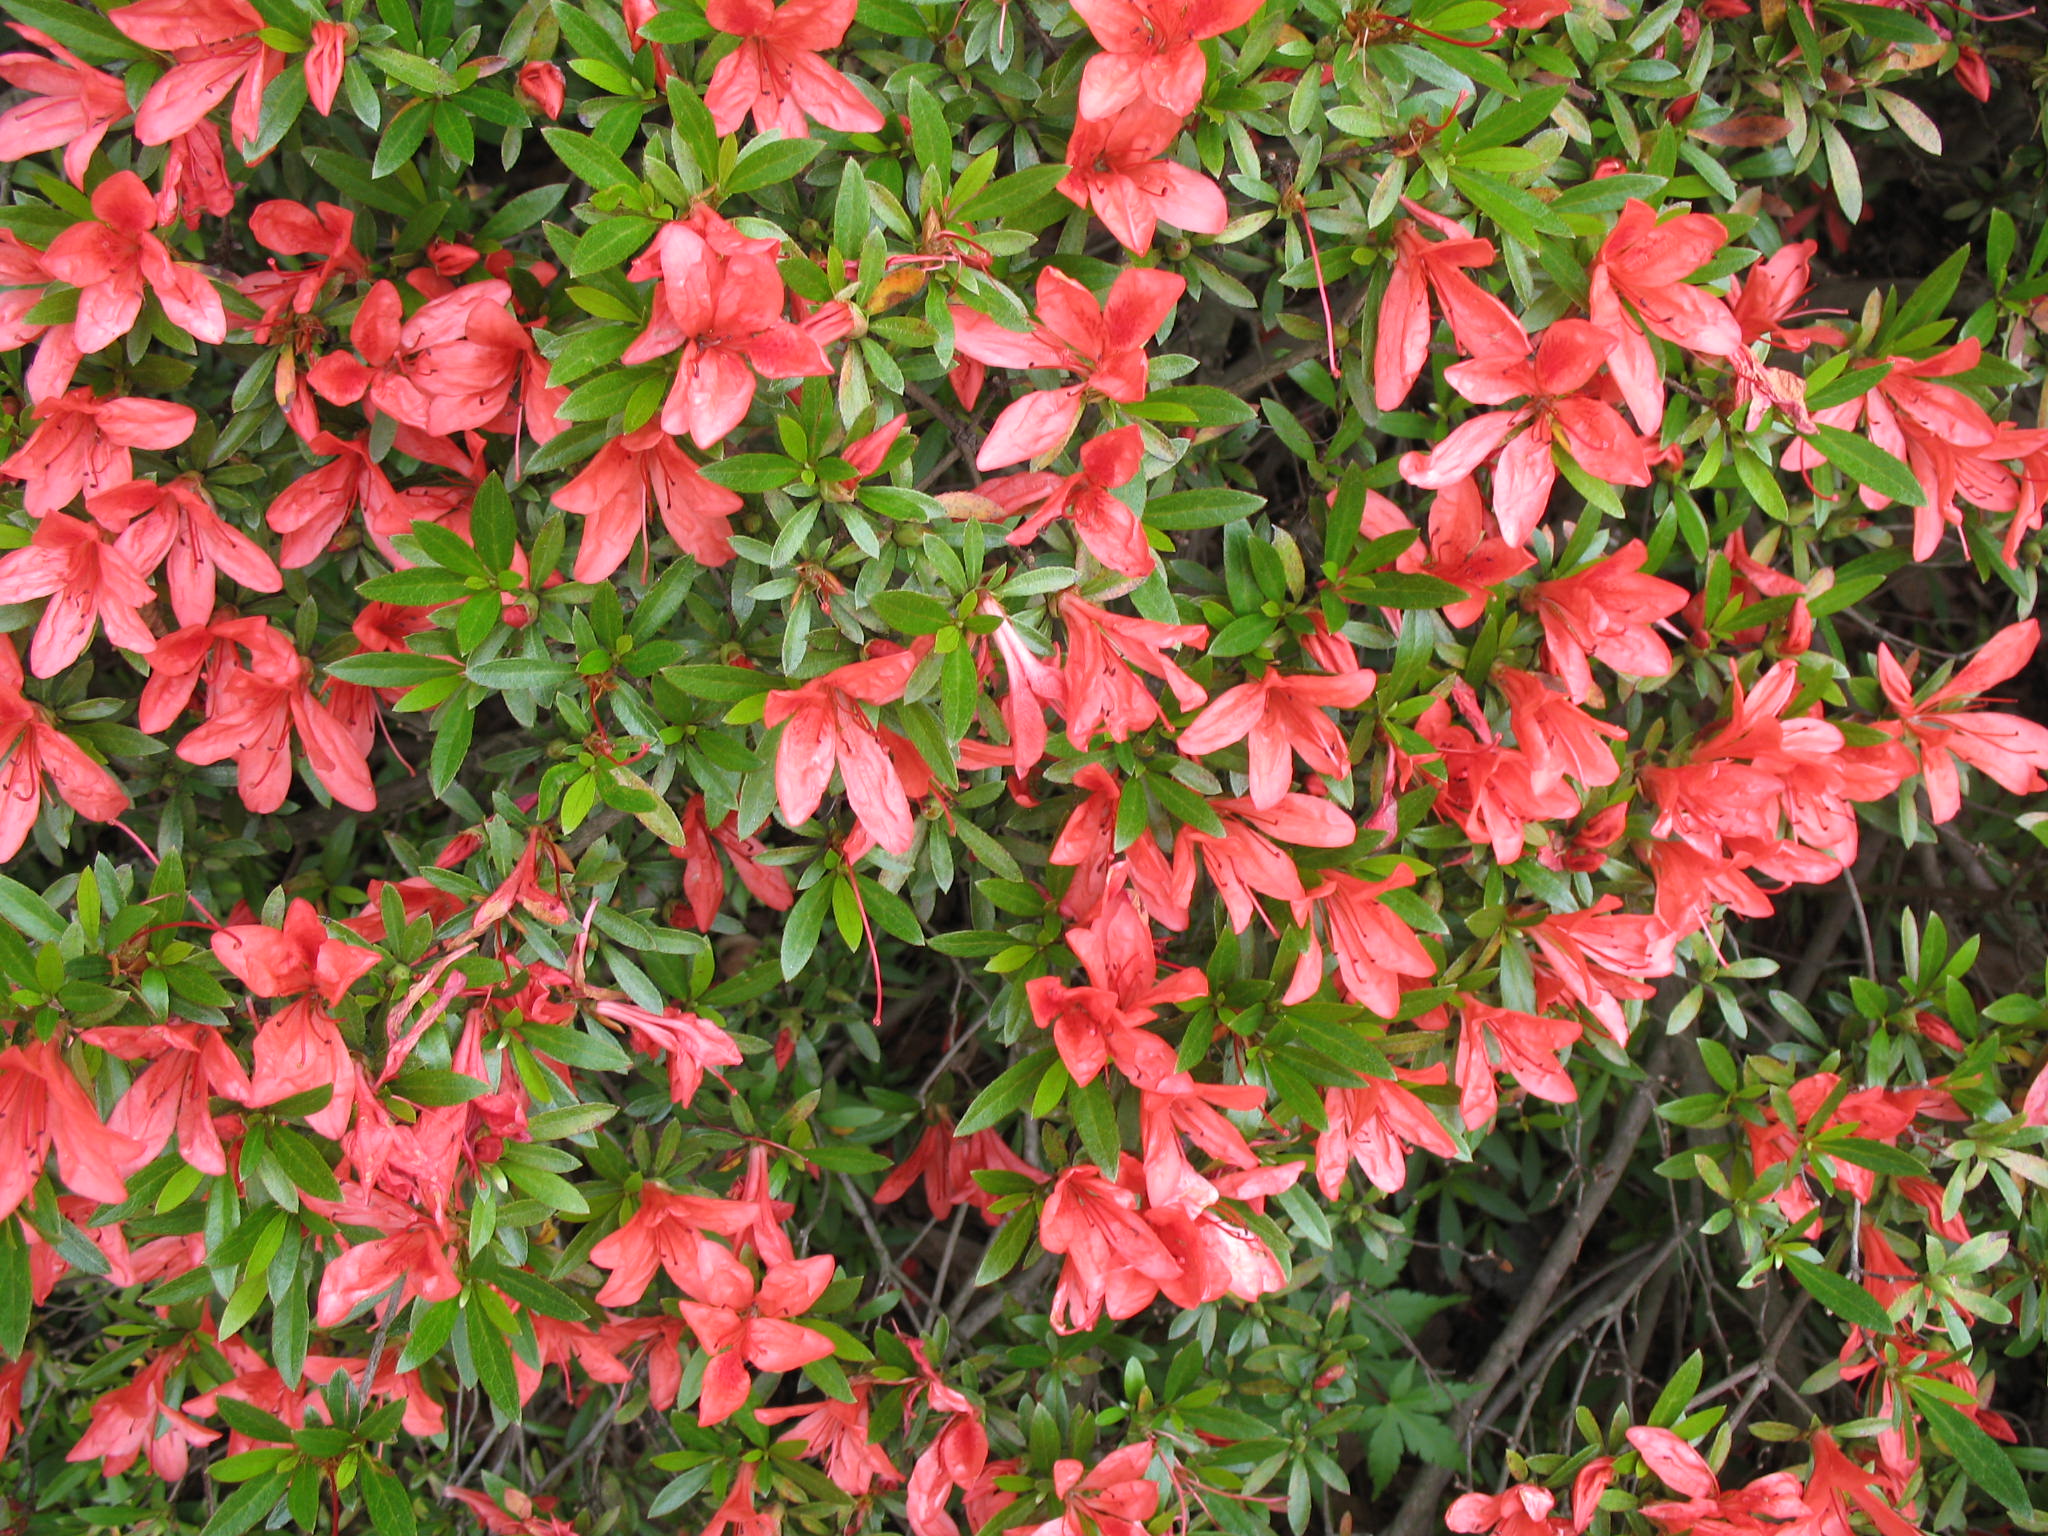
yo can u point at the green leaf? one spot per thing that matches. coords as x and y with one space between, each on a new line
1012 194
15 1288
1203 507
1867 464
1980 1457
589 160
1010 1092
521 673
246 1505
1094 1112
386 1501
766 162
432 1324
1842 1296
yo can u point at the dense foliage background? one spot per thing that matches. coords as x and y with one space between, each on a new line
1171 764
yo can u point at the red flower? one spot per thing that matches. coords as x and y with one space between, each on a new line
1375 948
776 73
127 1421
738 1325
413 1254
612 490
825 727
81 443
451 367
1114 1259
1605 612
216 51
704 881
837 1434
720 301
43 1105
2010 750
1462 548
326 57
1523 1510
32 746
189 1064
1646 263
1376 1125
1283 716
542 87
1151 51
1114 1498
947 1163
1527 1046
1120 171
1107 528
1567 356
1102 689
254 712
1762 300
1481 324
70 104
1104 343
88 580
177 523
691 1045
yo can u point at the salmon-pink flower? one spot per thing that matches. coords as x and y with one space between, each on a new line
1376 1125
1523 1510
1113 1498
253 714
127 1421
543 87
89 582
70 104
824 726
1151 51
189 1064
704 879
1103 342
947 1163
31 746
1375 948
294 960
1106 527
837 1434
1282 714
413 1254
1102 689
690 1045
43 1105
82 443
1121 171
739 1325
1605 612
176 526
2011 751
1481 324
1646 263
1554 379
216 51
452 366
720 302
1526 1045
325 59
776 73
612 491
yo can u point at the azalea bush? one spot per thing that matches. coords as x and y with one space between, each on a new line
1177 765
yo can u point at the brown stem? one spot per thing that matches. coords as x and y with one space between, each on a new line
1419 1513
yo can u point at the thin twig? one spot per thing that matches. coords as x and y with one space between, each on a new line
1419 1512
